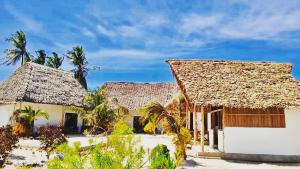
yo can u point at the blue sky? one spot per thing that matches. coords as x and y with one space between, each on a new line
130 40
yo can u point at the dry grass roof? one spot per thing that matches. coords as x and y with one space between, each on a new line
237 84
40 84
135 95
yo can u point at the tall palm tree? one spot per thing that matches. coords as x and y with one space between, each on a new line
18 40
55 61
29 115
41 57
78 59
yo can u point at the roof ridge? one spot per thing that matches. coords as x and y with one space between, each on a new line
47 67
229 61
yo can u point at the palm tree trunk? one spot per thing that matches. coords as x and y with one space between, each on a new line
22 60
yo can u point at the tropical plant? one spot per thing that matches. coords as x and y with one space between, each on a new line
41 57
28 116
18 40
77 58
152 113
160 158
172 123
55 61
95 112
51 137
175 126
7 141
120 152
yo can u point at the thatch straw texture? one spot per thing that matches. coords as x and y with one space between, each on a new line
237 84
40 84
135 95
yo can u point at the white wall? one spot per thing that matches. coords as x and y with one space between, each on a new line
56 114
273 141
6 111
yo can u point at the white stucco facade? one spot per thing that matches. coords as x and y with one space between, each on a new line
56 113
271 141
6 111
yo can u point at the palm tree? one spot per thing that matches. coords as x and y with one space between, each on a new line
78 59
153 113
172 123
29 115
41 57
55 61
95 111
18 40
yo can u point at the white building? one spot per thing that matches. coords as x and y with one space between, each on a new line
51 90
244 110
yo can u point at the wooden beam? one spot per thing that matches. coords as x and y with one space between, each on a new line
202 128
195 125
187 115
218 110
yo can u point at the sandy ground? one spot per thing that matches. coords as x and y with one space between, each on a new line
28 153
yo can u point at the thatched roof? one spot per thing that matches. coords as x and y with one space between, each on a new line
135 95
40 84
237 84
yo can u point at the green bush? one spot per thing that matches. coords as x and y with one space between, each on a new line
160 158
120 152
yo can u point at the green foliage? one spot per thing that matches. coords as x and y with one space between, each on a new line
149 128
70 157
172 123
77 58
160 158
28 116
12 56
153 113
95 112
55 61
40 58
120 152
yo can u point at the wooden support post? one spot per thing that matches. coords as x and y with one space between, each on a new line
195 125
187 114
202 128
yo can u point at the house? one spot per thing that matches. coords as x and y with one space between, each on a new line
244 110
134 96
51 90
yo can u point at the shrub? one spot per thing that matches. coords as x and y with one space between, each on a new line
120 152
19 129
68 157
51 137
160 158
7 141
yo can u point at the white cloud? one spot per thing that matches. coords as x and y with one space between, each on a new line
87 32
129 31
104 31
265 20
29 23
124 53
195 22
